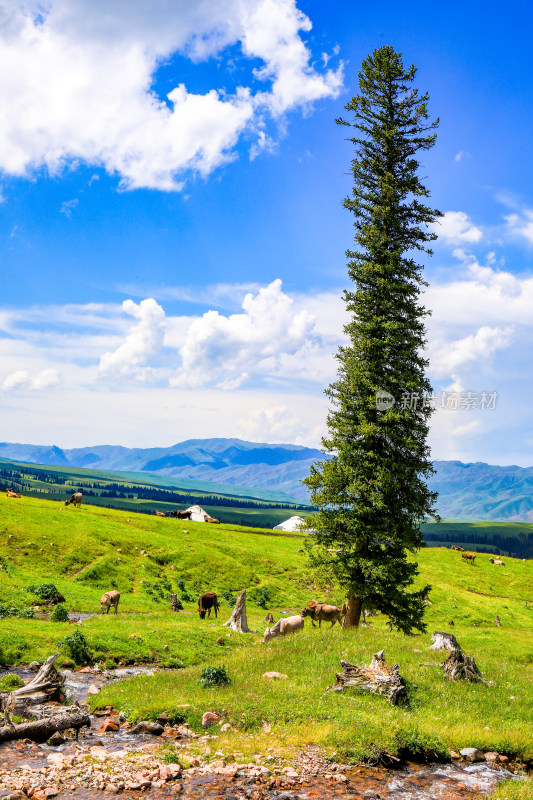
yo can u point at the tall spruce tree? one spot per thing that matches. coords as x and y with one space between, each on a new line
371 493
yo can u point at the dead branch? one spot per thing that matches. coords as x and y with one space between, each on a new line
41 730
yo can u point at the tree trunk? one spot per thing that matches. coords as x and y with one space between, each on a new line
377 677
444 641
42 729
45 687
238 620
355 606
174 605
460 667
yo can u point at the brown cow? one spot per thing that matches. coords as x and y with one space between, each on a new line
456 547
206 602
470 557
75 499
323 611
211 519
110 600
181 514
160 514
11 493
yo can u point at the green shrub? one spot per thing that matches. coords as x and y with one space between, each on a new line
45 591
181 585
77 647
21 613
214 676
261 597
10 682
230 598
59 614
188 598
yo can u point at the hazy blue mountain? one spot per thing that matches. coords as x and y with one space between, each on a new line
475 491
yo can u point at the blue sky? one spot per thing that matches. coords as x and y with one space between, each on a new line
171 230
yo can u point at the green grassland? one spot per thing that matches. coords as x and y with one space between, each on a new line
87 551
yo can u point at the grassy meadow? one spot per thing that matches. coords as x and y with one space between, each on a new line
85 552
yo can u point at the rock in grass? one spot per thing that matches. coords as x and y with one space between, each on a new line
472 754
209 718
153 728
274 675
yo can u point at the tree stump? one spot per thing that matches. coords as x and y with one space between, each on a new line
460 667
45 687
174 606
238 620
376 677
444 641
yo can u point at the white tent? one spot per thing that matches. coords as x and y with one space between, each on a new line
293 525
197 514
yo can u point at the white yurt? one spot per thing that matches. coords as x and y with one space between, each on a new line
197 514
293 525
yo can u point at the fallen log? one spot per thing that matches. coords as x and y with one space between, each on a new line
376 677
460 667
45 687
40 730
239 620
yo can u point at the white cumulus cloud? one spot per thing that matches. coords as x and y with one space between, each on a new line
456 227
446 356
227 351
77 84
521 225
143 342
23 379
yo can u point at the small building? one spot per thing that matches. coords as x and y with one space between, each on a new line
293 525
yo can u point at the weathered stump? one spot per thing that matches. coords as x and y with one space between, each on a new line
45 687
460 667
376 677
444 641
238 620
174 606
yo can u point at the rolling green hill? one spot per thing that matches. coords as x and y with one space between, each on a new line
87 551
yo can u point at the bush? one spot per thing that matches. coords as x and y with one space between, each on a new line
188 598
10 682
21 613
77 647
45 591
214 676
59 614
261 597
230 598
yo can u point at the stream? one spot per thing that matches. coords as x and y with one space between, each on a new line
448 781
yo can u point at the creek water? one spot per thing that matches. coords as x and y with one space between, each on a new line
450 781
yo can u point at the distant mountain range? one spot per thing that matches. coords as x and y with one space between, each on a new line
475 491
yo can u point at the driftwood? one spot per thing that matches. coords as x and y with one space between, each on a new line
460 667
238 620
444 641
40 730
376 677
45 687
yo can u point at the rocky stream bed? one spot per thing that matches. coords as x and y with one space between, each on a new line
113 758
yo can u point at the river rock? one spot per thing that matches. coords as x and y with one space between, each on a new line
168 772
472 754
209 718
108 725
493 757
153 728
34 666
56 739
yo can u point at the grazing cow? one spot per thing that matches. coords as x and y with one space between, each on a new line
75 499
284 626
470 557
497 562
211 519
323 611
457 547
110 600
206 602
181 514
160 514
11 493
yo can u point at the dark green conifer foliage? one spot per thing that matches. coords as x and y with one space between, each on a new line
372 492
